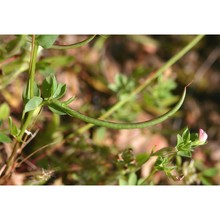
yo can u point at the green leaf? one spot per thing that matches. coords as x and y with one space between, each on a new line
205 181
141 181
36 90
132 180
67 102
53 85
186 135
46 87
56 111
60 91
179 139
194 137
161 163
4 111
26 95
178 160
184 154
4 138
46 41
32 104
210 172
49 86
142 158
13 129
123 182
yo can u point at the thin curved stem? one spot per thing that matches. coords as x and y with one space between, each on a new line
63 108
76 45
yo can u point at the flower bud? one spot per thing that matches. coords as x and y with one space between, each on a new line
202 136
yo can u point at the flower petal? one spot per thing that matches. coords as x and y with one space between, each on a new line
202 135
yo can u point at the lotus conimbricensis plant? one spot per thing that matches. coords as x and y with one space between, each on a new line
50 93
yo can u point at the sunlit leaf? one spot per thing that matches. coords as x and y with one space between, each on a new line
4 138
122 182
132 180
32 104
60 91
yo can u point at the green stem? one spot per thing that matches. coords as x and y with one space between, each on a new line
32 67
146 179
25 122
63 108
168 64
25 125
76 45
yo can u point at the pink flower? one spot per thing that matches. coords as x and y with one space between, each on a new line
202 136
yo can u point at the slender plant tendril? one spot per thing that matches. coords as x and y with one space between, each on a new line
63 108
71 46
